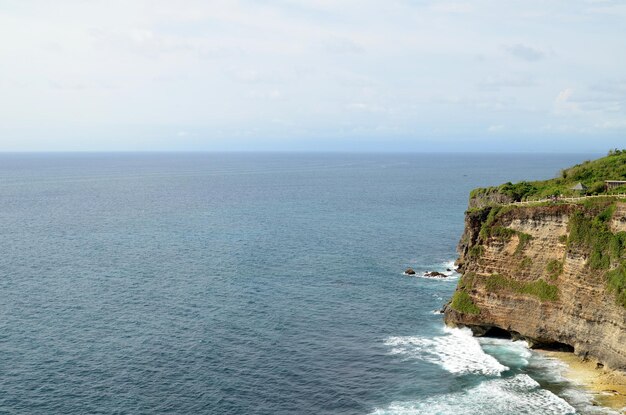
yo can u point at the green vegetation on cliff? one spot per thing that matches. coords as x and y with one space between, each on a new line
524 238
554 268
525 263
475 252
462 302
491 228
589 231
488 229
537 288
591 174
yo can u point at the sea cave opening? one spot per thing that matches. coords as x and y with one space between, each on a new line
498 333
555 346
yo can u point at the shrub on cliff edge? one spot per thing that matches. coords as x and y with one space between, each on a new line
462 302
592 174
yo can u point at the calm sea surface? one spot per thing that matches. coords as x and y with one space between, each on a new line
251 284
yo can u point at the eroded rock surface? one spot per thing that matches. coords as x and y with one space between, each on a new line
520 278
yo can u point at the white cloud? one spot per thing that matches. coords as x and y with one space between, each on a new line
367 108
229 67
342 46
525 52
510 80
563 102
455 8
612 125
564 95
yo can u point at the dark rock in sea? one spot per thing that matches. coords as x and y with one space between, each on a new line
435 274
409 271
448 269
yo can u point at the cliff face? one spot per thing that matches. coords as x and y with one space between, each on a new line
541 273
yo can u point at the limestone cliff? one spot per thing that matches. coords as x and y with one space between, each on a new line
552 274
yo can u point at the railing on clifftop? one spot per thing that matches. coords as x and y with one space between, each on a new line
561 199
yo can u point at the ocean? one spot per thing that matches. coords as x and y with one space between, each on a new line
242 283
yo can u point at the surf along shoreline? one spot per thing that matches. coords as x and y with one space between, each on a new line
607 387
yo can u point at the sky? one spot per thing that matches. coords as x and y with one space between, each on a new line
312 75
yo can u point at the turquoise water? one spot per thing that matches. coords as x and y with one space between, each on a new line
250 284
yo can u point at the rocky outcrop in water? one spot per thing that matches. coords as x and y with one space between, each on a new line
435 274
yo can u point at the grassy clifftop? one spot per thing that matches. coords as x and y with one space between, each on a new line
591 174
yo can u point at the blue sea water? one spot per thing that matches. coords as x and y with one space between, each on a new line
251 284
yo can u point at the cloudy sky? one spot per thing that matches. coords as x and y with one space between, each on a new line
392 75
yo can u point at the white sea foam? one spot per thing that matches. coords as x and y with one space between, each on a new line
554 371
459 353
449 276
516 395
456 351
514 353
449 265
443 268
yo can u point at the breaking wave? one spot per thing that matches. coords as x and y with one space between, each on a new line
456 351
515 395
502 390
